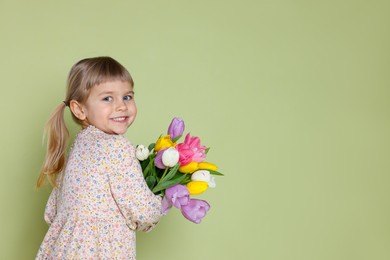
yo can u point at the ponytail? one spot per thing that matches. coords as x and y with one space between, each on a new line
57 141
82 77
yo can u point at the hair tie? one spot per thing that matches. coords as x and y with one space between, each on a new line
66 104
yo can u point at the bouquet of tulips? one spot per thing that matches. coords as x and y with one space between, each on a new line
178 170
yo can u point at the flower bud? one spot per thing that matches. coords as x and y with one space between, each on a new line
203 175
197 187
176 128
163 142
177 196
158 159
170 157
195 210
189 168
141 152
207 166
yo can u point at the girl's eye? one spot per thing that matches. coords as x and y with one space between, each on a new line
107 99
127 97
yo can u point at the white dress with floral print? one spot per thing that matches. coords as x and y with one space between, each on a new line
99 202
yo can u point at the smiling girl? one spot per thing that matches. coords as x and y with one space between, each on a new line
99 197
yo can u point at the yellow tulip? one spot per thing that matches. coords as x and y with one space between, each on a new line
163 142
189 168
197 187
207 166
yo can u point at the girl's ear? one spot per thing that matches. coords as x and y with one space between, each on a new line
77 110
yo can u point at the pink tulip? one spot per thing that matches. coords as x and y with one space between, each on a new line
191 150
185 154
195 210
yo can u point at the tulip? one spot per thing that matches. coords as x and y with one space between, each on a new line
163 142
166 205
170 157
158 159
176 128
192 144
141 152
207 166
185 155
195 210
189 168
198 149
197 187
177 195
203 175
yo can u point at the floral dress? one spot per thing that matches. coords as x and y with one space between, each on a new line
101 199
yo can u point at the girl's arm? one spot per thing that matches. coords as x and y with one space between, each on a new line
51 207
137 203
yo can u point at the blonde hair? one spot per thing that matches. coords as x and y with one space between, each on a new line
82 77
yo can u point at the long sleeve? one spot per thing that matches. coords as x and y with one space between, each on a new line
137 203
100 201
51 207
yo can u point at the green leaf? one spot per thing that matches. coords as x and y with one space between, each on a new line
207 150
149 167
146 171
215 173
171 172
186 180
162 185
151 181
153 170
144 164
176 138
151 146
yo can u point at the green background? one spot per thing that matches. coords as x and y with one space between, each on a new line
292 96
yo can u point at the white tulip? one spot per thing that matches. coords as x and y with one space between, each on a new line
203 175
141 152
170 157
212 183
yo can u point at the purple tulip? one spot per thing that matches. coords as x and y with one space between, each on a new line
195 210
176 128
177 195
166 205
158 159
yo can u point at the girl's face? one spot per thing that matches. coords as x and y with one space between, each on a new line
110 107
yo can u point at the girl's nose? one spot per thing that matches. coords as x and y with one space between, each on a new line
121 106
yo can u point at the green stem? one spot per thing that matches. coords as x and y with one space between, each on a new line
165 172
162 177
147 168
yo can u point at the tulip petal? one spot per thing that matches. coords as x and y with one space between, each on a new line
185 153
176 128
189 168
166 205
195 210
201 175
212 183
158 159
178 195
163 142
141 152
170 157
207 166
197 187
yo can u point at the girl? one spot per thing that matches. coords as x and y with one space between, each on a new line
99 197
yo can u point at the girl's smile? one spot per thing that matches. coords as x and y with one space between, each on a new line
110 107
99 187
120 119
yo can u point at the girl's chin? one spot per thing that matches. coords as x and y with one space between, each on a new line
119 131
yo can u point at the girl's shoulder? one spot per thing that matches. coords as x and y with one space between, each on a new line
96 137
